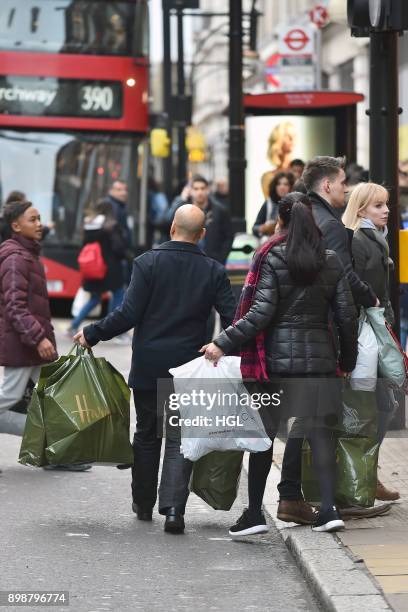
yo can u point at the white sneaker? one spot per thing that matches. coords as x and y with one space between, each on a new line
329 521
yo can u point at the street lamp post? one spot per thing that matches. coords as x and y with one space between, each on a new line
236 146
181 86
168 161
383 114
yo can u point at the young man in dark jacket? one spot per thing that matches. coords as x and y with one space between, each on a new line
172 291
218 239
325 180
26 335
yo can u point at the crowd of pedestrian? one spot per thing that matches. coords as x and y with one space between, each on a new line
320 263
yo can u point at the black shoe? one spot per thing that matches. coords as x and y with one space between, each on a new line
22 405
142 514
329 520
69 467
174 521
248 525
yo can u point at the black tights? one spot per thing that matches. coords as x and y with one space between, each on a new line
324 462
259 468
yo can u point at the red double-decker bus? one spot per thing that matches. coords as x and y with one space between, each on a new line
73 113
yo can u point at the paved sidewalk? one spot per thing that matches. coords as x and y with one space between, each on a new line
366 566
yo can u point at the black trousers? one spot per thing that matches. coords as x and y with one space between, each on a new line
322 444
147 442
290 486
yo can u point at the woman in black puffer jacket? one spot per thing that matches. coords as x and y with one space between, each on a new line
299 285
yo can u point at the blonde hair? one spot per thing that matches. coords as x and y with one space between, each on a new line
362 195
274 151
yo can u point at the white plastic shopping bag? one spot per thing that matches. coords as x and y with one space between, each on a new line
81 298
364 375
216 412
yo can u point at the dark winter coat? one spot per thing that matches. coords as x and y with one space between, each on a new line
372 264
268 212
338 239
113 244
172 292
219 235
298 339
25 317
120 212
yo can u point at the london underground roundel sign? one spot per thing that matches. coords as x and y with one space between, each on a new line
296 39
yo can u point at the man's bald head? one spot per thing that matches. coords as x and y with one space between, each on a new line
188 224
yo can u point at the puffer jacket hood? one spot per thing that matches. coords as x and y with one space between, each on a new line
17 244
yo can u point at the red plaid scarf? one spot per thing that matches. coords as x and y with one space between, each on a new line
253 362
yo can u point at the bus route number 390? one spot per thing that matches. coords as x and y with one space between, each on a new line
97 98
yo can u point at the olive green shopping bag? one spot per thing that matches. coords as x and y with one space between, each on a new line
32 450
356 473
85 412
216 477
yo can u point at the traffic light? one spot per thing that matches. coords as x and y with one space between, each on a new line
159 143
378 15
195 145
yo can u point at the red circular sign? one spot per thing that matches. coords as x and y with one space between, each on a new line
319 16
296 39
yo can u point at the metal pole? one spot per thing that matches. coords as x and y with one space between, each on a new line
236 152
181 86
383 113
318 39
167 162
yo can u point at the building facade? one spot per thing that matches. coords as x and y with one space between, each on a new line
344 67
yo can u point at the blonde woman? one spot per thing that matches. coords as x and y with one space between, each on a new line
281 143
367 215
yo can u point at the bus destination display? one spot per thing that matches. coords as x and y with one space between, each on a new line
51 97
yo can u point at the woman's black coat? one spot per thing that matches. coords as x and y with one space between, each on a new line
295 320
372 264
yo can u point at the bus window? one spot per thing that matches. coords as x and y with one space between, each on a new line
93 27
66 173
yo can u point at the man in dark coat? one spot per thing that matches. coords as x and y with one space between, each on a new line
219 236
325 180
118 195
172 291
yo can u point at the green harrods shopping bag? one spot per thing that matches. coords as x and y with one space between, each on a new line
356 453
83 405
356 472
216 477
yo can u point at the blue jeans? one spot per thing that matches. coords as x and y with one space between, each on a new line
115 301
85 310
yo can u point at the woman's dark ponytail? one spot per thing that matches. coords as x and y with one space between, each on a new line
305 253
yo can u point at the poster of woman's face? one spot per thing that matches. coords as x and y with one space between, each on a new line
272 142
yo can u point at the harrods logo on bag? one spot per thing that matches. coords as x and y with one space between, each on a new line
89 415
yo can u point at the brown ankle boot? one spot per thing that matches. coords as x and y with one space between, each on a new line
296 511
384 494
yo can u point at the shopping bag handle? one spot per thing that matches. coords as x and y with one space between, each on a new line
79 350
